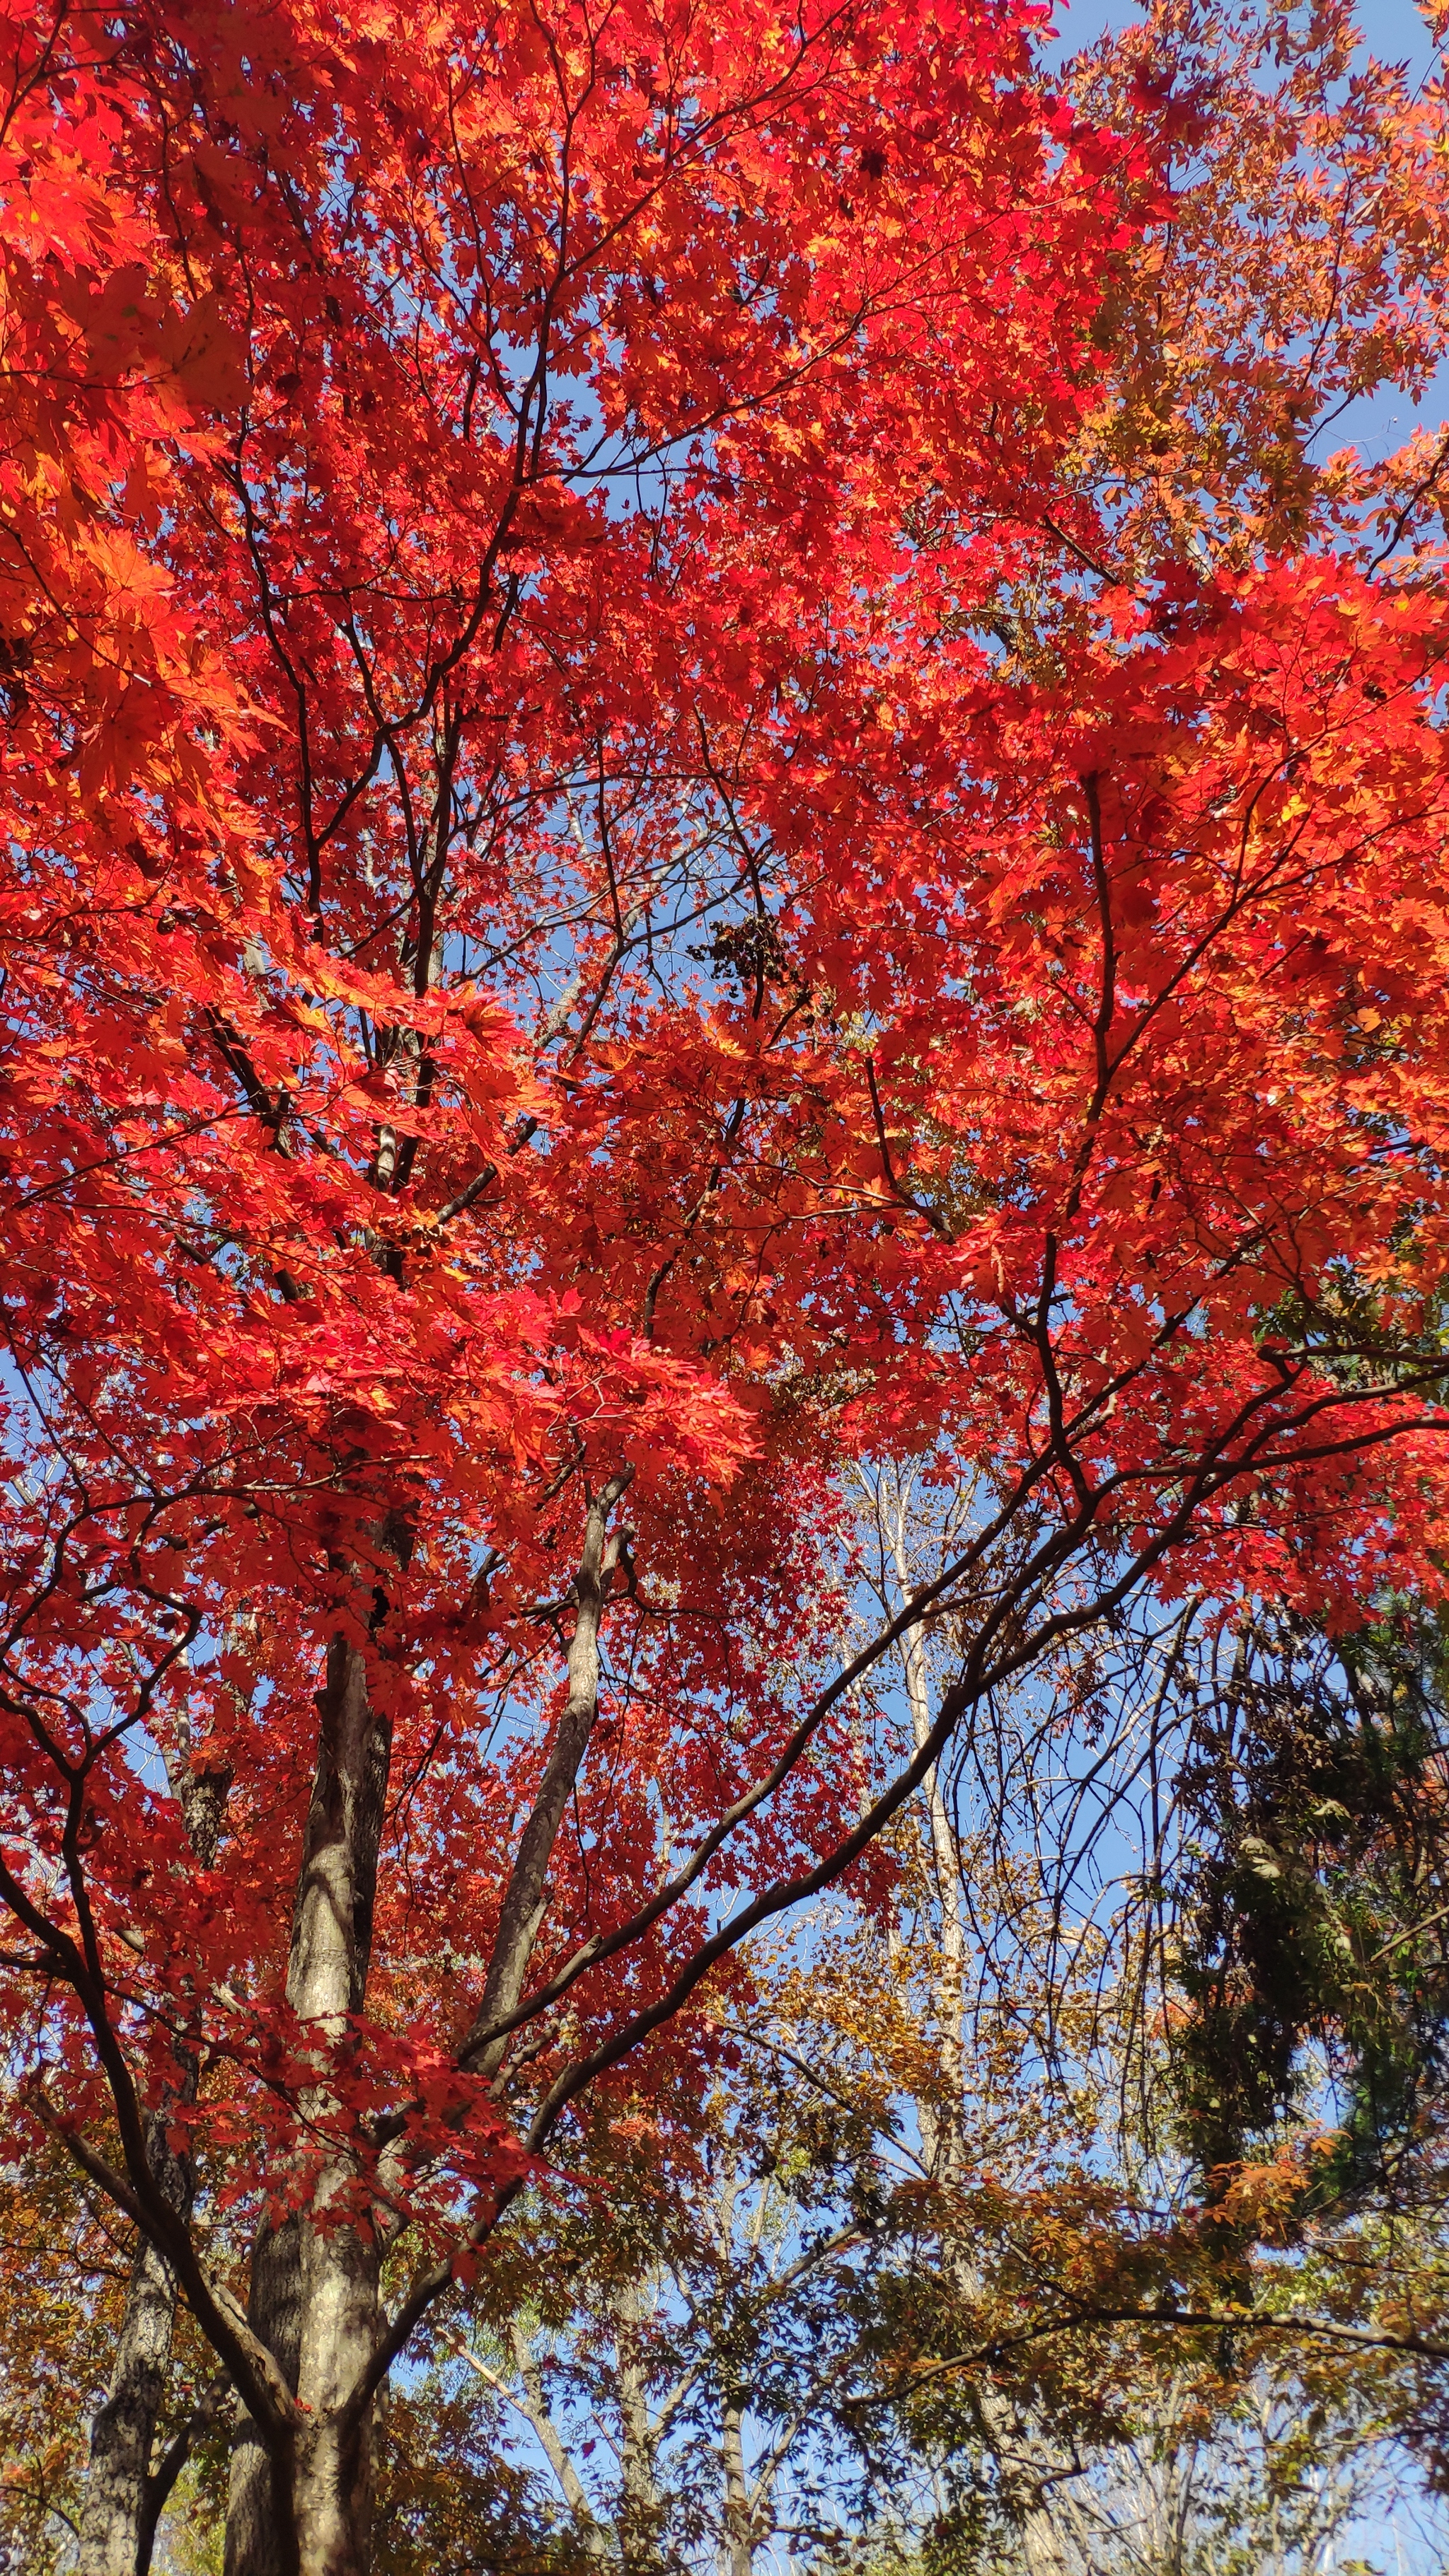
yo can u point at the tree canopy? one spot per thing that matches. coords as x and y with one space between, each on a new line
707 798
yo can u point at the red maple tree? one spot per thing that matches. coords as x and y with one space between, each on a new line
569 973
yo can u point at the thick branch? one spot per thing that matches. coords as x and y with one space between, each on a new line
527 1893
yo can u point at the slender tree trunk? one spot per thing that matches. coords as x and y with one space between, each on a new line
119 2511
1044 2547
571 2486
639 2513
525 1899
331 1952
739 2546
315 2287
114 2516
1046 2551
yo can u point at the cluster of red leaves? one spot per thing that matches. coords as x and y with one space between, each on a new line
543 934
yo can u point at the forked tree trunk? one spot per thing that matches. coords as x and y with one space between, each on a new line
590 2538
305 2509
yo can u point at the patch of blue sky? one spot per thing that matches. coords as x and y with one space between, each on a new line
1393 31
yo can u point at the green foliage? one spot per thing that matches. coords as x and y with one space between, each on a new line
191 2540
1314 1905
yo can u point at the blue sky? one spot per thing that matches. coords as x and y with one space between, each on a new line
1393 28
1395 32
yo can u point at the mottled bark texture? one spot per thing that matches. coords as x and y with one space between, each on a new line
125 2486
308 2504
304 2507
114 2518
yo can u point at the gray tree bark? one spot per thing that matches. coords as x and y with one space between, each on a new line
314 2292
259 2497
1029 2466
738 2518
535 2408
304 2508
640 2514
340 2264
526 1897
123 2435
120 2506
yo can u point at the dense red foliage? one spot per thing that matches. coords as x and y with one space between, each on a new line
554 928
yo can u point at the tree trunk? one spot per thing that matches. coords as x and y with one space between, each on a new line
314 2287
526 1895
640 2517
114 2519
739 2546
326 1985
119 2511
571 2486
1046 2553
1023 2459
258 2514
315 2291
